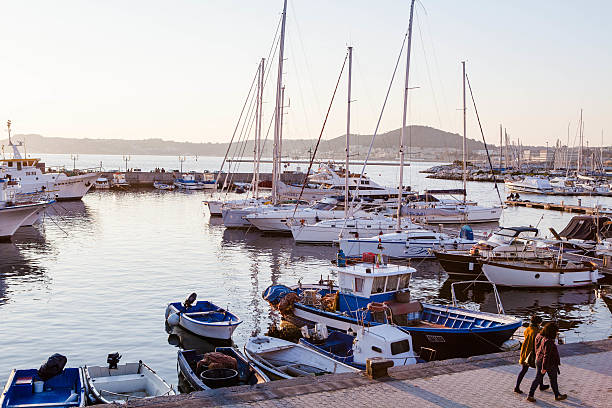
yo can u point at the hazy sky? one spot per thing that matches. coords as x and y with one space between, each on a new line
180 69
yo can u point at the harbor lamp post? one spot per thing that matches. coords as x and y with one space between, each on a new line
181 160
74 158
126 159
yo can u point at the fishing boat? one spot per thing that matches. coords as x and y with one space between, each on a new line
382 341
25 389
120 383
245 373
32 179
536 273
283 359
378 293
409 244
162 186
14 212
507 243
202 318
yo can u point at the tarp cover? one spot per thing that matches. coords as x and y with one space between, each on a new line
584 227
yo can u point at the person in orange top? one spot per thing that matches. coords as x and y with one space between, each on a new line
528 353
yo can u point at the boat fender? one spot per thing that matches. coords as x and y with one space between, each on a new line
173 319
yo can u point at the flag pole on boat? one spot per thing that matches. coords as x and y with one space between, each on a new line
400 192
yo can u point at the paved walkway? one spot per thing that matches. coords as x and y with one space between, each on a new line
483 381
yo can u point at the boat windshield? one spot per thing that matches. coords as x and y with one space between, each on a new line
399 347
322 206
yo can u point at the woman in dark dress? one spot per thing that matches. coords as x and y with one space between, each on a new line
547 361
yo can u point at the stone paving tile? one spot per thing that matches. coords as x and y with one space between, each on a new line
587 379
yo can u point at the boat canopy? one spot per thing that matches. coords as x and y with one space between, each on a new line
366 279
584 227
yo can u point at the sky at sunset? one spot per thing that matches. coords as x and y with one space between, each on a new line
180 69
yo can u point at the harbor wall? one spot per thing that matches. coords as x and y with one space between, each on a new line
146 178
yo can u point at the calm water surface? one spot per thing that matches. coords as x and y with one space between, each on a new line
96 276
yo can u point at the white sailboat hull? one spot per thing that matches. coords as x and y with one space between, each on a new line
330 233
467 214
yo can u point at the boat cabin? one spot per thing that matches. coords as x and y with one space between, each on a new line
507 235
384 341
369 280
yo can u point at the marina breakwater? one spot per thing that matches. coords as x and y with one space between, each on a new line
137 179
586 376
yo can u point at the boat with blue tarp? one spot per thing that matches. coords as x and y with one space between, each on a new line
376 293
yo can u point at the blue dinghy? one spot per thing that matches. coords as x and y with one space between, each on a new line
202 318
66 389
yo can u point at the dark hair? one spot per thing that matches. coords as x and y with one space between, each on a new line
536 320
550 330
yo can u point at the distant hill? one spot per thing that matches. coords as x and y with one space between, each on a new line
417 136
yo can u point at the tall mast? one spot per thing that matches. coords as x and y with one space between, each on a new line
400 192
348 133
501 144
464 137
580 129
258 120
277 117
280 133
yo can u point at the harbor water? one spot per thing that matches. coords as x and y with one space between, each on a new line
96 275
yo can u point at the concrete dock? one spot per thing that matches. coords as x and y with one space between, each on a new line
137 179
482 381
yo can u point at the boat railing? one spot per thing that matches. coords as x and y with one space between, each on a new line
498 303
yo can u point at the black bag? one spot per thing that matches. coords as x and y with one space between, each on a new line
54 366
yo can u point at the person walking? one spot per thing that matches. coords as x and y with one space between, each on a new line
528 353
547 361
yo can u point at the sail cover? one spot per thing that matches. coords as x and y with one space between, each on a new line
584 227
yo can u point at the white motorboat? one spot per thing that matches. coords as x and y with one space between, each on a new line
120 383
330 231
202 318
283 359
16 214
454 214
162 186
188 182
413 243
550 273
277 221
102 183
529 184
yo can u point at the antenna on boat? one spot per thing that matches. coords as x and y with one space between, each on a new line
400 192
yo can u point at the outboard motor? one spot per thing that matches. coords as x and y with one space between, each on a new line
466 233
190 300
54 366
113 360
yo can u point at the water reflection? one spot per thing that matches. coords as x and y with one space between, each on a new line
16 268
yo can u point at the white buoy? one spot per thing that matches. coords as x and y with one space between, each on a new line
173 319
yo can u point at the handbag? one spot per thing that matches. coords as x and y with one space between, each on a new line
531 360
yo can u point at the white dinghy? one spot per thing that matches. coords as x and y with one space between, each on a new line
283 359
124 382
